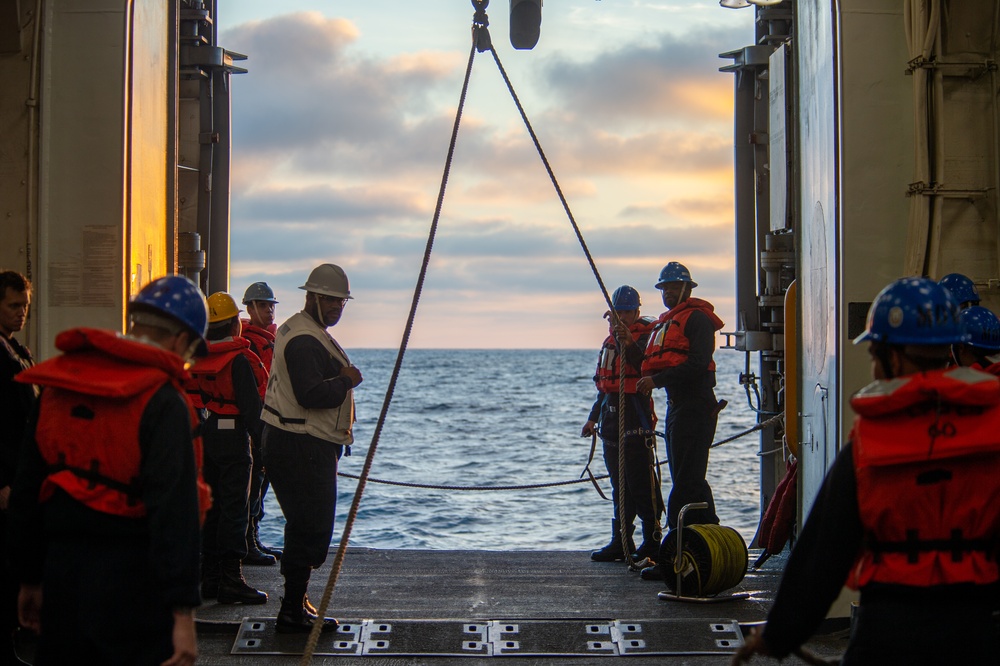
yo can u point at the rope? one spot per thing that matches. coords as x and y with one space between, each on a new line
314 635
550 484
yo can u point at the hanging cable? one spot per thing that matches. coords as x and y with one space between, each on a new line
479 24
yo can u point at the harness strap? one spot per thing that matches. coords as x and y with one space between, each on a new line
913 546
282 419
95 478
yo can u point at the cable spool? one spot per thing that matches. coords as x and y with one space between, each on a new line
714 559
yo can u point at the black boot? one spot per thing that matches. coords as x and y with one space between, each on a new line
275 552
297 615
613 552
210 576
255 556
233 588
651 537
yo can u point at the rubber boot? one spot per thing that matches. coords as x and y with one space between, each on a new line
650 547
210 577
233 588
256 556
613 552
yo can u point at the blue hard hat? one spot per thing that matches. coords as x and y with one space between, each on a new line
178 298
961 287
625 298
675 272
914 311
983 328
258 291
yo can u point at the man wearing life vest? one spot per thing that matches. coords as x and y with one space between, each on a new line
16 403
679 359
909 512
309 419
641 494
982 351
107 502
259 330
226 386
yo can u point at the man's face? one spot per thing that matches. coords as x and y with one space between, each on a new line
673 294
261 313
628 317
13 311
330 308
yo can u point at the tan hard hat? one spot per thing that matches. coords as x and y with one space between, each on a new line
329 280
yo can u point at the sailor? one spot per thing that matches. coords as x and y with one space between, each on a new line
909 512
259 331
962 288
226 386
982 351
309 419
16 402
107 502
679 359
641 495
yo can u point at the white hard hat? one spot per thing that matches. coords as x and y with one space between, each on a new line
329 280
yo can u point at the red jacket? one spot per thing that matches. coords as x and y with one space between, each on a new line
211 383
261 341
89 416
608 371
927 463
668 346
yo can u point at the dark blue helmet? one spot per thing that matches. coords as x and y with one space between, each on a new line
914 311
675 272
178 298
258 291
962 288
983 328
625 298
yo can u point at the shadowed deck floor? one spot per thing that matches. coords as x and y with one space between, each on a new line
480 586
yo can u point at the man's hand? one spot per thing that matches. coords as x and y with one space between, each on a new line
29 607
589 428
351 373
754 645
185 640
645 385
4 498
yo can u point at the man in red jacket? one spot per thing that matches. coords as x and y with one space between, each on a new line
679 359
909 513
259 330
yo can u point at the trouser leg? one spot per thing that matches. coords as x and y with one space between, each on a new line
689 432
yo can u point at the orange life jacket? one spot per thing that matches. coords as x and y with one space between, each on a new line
927 462
89 416
261 342
211 384
608 371
668 346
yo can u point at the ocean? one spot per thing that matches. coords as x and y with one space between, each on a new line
485 418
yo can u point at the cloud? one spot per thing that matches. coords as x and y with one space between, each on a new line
339 152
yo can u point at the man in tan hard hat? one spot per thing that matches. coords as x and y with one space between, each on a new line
308 417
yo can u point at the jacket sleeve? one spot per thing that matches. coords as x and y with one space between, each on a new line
247 396
24 515
170 493
820 562
314 374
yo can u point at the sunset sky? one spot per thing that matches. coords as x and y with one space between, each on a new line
341 129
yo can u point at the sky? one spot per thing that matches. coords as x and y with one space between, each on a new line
341 129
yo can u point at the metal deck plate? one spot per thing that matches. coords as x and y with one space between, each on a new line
500 638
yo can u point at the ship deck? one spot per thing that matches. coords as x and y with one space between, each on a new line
463 607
